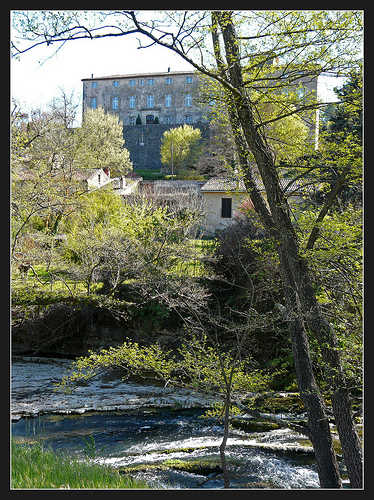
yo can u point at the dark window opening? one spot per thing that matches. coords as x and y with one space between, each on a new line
226 208
149 119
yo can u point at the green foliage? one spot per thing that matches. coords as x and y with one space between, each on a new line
336 265
35 467
132 357
150 315
347 114
108 236
197 365
341 138
100 143
208 367
180 147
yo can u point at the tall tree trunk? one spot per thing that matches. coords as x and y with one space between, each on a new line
295 273
344 420
222 448
318 423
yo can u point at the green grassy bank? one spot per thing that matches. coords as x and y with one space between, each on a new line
34 466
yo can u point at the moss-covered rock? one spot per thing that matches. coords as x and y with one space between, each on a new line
199 466
277 402
254 425
196 466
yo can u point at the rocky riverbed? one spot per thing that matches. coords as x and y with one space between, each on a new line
33 391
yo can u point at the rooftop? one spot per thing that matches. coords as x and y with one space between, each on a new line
137 75
221 184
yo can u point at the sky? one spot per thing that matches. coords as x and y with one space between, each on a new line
37 77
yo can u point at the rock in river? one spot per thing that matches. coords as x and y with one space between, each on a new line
33 391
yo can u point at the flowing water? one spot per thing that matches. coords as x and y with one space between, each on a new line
131 438
143 434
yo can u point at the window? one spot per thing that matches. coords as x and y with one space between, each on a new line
132 83
188 100
149 101
115 103
132 120
132 101
167 119
188 79
94 103
169 81
115 83
93 85
98 178
142 82
149 119
188 119
150 81
226 208
168 100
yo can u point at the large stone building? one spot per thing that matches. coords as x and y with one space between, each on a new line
147 104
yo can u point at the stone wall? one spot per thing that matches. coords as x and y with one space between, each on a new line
144 143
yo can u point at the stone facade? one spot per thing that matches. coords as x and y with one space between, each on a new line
144 143
169 98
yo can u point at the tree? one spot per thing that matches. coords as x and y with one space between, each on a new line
110 241
179 147
239 57
199 366
42 150
339 161
100 143
300 297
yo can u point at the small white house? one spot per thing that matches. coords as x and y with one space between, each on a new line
94 178
221 198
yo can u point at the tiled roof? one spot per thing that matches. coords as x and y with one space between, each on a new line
217 184
222 184
84 174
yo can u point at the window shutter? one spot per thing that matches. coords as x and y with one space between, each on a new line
226 208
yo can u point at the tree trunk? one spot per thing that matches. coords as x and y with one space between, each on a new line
318 424
222 448
328 343
344 420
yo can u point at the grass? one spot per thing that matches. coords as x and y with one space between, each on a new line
152 174
36 467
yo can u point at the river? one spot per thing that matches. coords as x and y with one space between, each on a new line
137 425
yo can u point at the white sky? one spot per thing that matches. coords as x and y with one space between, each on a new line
35 79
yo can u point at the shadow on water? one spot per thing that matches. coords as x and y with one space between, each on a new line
173 449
